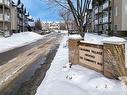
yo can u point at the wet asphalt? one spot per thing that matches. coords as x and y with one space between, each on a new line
9 55
28 82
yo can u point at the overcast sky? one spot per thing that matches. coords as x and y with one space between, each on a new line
40 9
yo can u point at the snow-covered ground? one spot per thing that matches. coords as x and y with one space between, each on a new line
62 80
18 40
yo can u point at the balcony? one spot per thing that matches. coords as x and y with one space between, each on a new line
105 5
105 19
100 21
6 2
96 22
1 17
5 18
96 11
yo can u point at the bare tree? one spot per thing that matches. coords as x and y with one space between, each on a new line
78 9
65 15
38 25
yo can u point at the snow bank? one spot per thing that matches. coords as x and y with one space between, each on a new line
18 40
78 80
99 39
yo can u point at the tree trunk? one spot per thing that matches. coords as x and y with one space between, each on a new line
80 30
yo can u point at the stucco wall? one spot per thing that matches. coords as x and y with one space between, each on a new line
124 15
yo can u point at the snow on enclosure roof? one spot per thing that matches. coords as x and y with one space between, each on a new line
113 40
93 38
18 40
75 36
100 39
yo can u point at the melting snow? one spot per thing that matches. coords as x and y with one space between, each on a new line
18 40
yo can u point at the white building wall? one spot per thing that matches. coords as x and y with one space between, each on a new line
13 18
124 15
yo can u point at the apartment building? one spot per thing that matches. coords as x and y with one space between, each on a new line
89 20
13 17
50 25
5 17
19 17
109 17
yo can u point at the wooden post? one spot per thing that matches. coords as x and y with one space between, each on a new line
114 60
73 51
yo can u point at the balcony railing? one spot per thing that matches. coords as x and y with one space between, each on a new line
96 22
4 18
6 2
105 19
100 20
106 5
1 17
96 10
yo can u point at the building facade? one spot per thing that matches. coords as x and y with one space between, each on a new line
5 17
13 17
89 21
20 17
109 17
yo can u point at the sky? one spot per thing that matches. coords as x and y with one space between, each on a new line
40 9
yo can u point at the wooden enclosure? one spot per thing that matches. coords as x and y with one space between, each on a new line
109 58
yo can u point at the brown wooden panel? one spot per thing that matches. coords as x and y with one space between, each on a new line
91 55
114 60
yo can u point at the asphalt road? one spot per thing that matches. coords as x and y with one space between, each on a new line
6 56
23 69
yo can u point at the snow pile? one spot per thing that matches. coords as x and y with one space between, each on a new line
75 36
17 40
99 39
62 80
